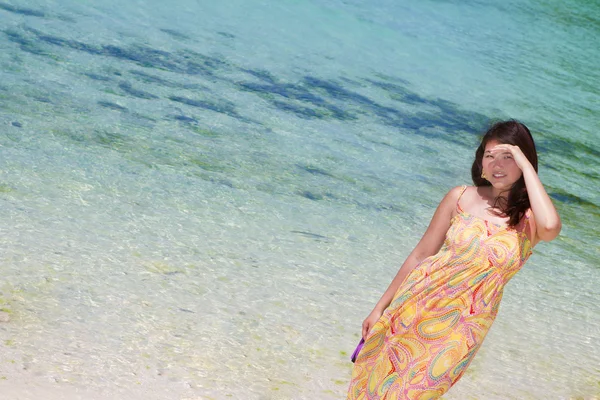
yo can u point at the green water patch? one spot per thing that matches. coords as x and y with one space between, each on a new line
7 294
162 268
206 165
187 160
108 139
186 156
5 188
579 14
111 140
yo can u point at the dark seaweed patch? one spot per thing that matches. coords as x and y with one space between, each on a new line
196 63
315 170
381 207
389 115
127 88
223 107
389 78
337 91
448 117
399 92
97 77
310 195
175 34
185 119
148 78
72 44
319 95
300 93
569 198
567 148
310 235
20 10
226 34
144 77
314 236
261 74
112 106
185 61
42 99
67 18
144 56
302 112
286 90
25 43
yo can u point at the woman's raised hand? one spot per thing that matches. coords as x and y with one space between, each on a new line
516 153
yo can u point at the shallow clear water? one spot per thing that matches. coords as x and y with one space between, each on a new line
205 200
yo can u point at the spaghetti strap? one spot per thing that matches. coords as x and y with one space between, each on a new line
462 190
526 220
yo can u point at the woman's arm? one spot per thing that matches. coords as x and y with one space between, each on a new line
430 244
547 222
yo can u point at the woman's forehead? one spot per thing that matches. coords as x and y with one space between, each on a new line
491 144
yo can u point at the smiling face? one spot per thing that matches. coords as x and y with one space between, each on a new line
499 168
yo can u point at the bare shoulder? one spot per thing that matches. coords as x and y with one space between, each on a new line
449 202
455 193
458 190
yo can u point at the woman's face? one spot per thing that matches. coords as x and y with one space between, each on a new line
499 167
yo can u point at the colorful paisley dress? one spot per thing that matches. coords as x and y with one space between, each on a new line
426 338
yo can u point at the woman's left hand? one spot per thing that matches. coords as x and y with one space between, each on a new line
516 152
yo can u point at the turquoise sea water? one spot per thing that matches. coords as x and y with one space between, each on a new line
204 200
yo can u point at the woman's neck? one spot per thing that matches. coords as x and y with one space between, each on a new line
496 193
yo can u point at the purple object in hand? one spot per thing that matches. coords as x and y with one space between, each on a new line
358 348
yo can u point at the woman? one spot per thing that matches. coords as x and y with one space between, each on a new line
432 319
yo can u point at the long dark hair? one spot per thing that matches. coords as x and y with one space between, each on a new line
515 133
